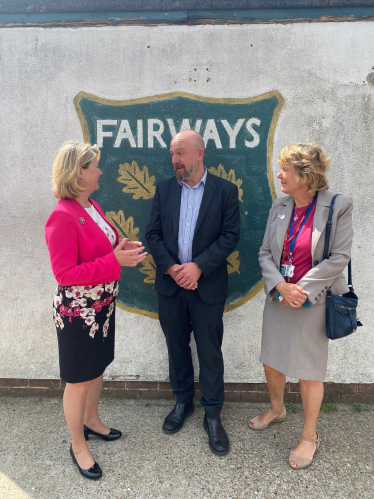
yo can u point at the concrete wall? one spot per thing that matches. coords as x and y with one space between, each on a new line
319 68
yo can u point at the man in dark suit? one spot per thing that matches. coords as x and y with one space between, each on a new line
193 228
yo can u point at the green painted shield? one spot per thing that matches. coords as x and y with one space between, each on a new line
134 138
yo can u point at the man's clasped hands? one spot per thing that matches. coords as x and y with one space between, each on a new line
185 275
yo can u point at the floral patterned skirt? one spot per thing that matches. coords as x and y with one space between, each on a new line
84 317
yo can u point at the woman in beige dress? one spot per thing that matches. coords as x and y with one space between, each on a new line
294 341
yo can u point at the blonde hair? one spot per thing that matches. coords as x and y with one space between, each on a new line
69 159
311 164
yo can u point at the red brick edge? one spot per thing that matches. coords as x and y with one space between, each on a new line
235 392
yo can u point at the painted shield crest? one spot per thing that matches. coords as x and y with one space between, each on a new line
134 138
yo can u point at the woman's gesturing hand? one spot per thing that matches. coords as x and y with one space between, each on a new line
293 295
129 253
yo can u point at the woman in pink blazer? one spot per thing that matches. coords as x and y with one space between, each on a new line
86 258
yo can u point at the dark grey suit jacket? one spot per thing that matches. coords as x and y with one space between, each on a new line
215 238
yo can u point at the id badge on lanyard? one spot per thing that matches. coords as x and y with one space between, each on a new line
287 270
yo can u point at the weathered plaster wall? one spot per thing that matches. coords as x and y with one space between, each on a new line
320 69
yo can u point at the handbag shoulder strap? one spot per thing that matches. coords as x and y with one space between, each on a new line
327 239
328 229
350 273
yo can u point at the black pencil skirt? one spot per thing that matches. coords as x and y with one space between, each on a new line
84 317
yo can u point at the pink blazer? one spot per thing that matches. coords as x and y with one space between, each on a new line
80 252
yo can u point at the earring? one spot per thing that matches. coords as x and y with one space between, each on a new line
82 176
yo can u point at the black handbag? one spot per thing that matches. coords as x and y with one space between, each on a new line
341 318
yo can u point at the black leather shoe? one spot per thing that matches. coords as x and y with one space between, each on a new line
112 435
93 473
175 419
218 440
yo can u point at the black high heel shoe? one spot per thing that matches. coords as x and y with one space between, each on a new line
112 435
93 473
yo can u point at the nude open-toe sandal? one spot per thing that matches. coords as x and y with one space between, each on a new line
302 462
278 418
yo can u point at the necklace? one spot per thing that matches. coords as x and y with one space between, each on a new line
296 217
302 211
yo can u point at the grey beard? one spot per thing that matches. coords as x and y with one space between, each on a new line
187 172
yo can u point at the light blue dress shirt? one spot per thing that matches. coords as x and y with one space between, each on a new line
189 211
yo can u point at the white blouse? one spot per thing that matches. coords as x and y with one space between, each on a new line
96 217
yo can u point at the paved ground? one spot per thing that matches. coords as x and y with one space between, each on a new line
145 463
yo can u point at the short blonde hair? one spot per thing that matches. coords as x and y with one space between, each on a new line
69 159
311 164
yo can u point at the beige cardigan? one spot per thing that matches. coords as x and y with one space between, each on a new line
325 274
